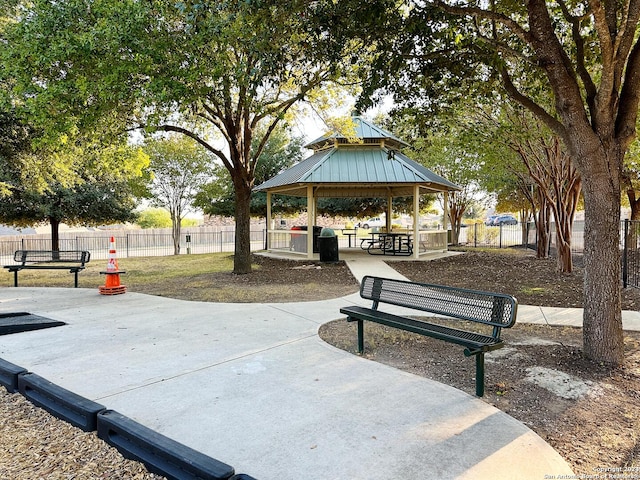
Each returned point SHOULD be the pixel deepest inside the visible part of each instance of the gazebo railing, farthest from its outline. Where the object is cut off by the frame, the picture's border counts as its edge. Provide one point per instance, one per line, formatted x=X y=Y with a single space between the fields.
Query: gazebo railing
x=290 y=241
x=295 y=241
x=431 y=240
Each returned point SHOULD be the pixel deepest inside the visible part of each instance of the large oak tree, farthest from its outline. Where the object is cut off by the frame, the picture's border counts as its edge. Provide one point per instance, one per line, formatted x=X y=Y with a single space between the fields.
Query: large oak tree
x=585 y=57
x=203 y=69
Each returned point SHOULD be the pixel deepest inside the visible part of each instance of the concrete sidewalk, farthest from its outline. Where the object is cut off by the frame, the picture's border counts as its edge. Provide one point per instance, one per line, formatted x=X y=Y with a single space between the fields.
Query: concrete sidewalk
x=254 y=386
x=361 y=265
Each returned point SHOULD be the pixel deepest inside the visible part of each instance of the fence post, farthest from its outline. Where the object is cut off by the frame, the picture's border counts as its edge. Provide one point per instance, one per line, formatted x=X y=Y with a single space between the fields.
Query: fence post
x=625 y=271
x=500 y=239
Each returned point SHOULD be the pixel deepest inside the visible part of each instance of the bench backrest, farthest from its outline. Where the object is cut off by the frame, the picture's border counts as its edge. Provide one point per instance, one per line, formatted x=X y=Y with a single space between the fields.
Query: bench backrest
x=46 y=256
x=496 y=309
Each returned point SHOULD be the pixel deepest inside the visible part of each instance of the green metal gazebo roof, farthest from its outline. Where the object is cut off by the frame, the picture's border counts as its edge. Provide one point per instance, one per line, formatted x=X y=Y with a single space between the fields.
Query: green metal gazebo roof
x=364 y=131
x=372 y=167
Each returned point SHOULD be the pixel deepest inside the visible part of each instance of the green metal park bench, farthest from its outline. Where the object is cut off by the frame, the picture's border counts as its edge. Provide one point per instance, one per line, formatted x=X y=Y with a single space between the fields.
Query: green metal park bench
x=493 y=310
x=72 y=260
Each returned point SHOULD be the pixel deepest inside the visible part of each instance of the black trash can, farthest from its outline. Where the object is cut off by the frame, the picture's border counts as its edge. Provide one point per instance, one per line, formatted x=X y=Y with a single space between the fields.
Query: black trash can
x=328 y=245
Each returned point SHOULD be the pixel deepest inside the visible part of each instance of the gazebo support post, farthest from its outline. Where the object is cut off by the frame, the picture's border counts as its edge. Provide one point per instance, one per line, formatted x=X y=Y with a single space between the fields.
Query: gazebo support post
x=445 y=218
x=389 y=212
x=416 y=222
x=311 y=215
x=268 y=225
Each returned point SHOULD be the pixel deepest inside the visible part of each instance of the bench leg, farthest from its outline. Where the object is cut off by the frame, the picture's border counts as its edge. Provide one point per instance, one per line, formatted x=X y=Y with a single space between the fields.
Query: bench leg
x=480 y=374
x=360 y=336
x=75 y=283
x=15 y=278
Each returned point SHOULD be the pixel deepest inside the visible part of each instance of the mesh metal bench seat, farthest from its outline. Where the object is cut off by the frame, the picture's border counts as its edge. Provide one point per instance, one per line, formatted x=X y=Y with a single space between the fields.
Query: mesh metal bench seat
x=494 y=310
x=72 y=260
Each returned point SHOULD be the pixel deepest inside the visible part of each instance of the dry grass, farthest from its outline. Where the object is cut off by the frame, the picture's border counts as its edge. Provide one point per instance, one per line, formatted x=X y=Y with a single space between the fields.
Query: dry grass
x=140 y=271
x=208 y=278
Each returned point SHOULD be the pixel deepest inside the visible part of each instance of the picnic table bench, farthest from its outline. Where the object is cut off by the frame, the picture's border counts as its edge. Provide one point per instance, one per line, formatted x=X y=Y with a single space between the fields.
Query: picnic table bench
x=374 y=241
x=72 y=260
x=494 y=310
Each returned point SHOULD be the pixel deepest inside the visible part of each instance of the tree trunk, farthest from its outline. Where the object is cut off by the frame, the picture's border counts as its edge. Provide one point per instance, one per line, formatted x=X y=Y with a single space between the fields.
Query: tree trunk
x=542 y=228
x=602 y=325
x=242 y=257
x=634 y=203
x=175 y=233
x=456 y=211
x=55 y=234
x=456 y=222
x=564 y=229
x=564 y=260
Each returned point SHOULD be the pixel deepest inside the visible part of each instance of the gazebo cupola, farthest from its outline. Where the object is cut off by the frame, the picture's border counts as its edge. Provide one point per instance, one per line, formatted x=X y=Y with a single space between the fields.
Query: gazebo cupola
x=366 y=135
x=370 y=165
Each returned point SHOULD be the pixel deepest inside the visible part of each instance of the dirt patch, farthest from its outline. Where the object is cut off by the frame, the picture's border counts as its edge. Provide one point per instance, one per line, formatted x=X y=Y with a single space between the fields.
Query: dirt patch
x=271 y=281
x=531 y=280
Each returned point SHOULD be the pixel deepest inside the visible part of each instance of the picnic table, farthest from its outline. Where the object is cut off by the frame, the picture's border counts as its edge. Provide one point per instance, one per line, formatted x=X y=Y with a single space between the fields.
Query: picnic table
x=349 y=233
x=392 y=243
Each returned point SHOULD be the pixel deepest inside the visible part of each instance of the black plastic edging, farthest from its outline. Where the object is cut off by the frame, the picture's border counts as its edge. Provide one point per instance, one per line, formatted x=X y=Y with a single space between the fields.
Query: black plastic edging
x=62 y=403
x=9 y=375
x=160 y=454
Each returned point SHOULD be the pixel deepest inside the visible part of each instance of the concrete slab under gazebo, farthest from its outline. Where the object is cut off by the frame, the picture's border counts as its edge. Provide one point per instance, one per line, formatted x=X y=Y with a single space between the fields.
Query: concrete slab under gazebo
x=371 y=165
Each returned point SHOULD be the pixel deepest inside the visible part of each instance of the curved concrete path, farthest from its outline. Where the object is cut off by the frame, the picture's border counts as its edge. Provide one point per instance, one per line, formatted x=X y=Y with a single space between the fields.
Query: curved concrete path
x=254 y=386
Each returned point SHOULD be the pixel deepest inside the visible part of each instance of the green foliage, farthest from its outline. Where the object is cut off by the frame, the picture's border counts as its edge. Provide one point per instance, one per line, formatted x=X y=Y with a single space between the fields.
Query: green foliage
x=179 y=168
x=280 y=152
x=14 y=141
x=104 y=188
x=189 y=222
x=202 y=69
x=154 y=218
x=187 y=66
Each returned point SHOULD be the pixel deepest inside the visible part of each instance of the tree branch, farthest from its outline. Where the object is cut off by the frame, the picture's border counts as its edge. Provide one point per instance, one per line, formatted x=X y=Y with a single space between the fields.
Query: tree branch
x=531 y=105
x=629 y=99
x=487 y=15
x=587 y=81
x=218 y=153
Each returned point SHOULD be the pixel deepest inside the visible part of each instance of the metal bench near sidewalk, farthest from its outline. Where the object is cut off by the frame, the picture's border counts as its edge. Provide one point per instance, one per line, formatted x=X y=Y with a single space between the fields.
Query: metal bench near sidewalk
x=494 y=310
x=72 y=260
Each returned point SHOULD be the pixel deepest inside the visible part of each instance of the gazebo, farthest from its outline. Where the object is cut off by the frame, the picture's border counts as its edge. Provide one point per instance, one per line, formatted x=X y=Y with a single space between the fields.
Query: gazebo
x=371 y=165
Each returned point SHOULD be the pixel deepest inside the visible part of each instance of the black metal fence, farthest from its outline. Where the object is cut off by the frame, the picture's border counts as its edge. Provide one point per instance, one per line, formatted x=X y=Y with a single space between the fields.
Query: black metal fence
x=522 y=235
x=480 y=235
x=143 y=244
x=631 y=254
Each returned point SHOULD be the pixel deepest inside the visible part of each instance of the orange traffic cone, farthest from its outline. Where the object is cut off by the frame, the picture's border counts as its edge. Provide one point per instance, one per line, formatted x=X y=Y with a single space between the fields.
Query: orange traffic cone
x=112 y=282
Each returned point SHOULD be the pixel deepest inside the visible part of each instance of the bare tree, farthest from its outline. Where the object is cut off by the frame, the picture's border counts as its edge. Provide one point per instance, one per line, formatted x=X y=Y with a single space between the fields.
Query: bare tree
x=179 y=168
